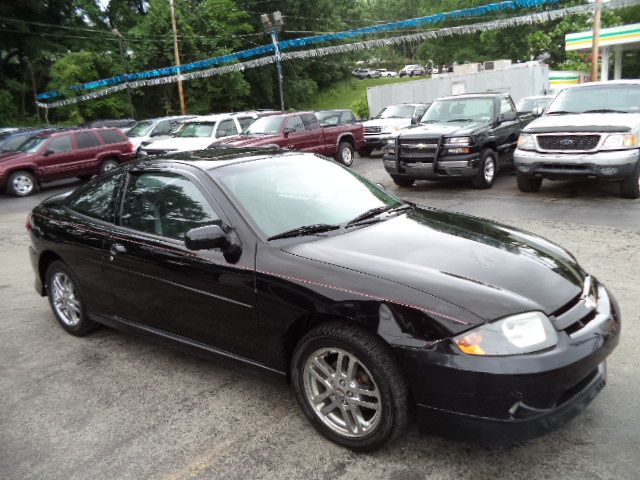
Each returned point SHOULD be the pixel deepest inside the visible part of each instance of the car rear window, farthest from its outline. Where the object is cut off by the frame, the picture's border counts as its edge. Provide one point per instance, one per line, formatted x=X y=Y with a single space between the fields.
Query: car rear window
x=112 y=136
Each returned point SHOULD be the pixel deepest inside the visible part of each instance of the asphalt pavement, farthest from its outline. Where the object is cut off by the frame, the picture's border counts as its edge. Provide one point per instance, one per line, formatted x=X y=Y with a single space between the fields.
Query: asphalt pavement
x=114 y=406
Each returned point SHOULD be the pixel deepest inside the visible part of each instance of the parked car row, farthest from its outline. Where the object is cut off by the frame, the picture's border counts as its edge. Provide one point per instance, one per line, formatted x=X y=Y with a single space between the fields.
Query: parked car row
x=589 y=131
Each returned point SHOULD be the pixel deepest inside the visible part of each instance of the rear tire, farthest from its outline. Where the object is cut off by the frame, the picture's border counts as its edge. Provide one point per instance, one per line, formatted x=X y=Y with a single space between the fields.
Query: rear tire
x=365 y=151
x=345 y=153
x=528 y=184
x=108 y=164
x=403 y=182
x=630 y=186
x=487 y=170
x=21 y=184
x=65 y=299
x=351 y=376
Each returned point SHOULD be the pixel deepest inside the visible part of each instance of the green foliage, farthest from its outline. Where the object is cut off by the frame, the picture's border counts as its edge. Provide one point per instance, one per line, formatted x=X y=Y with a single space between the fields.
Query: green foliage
x=361 y=107
x=8 y=110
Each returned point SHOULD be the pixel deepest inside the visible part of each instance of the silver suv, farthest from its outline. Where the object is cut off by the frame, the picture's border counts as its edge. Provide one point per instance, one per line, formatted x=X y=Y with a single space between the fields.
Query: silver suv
x=588 y=131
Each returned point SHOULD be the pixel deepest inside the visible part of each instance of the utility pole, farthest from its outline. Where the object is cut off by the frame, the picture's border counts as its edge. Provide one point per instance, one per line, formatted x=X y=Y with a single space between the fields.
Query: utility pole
x=183 y=106
x=125 y=65
x=273 y=29
x=596 y=40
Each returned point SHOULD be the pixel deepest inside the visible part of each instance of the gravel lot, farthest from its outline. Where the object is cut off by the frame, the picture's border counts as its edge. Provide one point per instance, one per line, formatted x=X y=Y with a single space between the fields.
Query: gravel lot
x=114 y=406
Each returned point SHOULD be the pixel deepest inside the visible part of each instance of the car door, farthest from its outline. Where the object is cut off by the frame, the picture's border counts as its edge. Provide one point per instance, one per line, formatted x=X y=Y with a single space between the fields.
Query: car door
x=86 y=158
x=316 y=141
x=506 y=131
x=159 y=283
x=56 y=157
x=296 y=133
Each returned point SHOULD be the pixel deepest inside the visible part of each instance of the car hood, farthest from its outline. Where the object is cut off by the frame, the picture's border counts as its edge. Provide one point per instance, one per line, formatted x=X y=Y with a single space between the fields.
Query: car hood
x=445 y=128
x=388 y=122
x=181 y=144
x=9 y=155
x=594 y=122
x=248 y=140
x=485 y=268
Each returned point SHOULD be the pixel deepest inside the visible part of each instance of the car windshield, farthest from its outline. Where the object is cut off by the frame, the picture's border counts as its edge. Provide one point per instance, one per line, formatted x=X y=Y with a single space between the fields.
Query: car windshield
x=140 y=130
x=459 y=109
x=598 y=98
x=397 y=111
x=32 y=145
x=197 y=129
x=13 y=144
x=265 y=126
x=285 y=193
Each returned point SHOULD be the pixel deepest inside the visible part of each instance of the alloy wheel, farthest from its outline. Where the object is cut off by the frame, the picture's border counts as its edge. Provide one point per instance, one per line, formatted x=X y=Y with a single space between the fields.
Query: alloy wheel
x=489 y=169
x=342 y=392
x=23 y=184
x=65 y=301
x=347 y=156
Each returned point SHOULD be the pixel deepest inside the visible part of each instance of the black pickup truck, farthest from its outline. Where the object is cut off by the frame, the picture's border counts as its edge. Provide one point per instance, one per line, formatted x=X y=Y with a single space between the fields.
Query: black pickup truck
x=469 y=136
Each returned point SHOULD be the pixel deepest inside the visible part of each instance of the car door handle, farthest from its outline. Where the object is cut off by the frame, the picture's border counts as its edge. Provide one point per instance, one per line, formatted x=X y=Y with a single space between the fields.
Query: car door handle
x=117 y=249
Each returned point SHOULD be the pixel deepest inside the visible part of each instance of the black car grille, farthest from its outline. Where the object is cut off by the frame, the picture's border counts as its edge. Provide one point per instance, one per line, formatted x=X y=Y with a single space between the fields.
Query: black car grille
x=568 y=142
x=423 y=150
x=372 y=129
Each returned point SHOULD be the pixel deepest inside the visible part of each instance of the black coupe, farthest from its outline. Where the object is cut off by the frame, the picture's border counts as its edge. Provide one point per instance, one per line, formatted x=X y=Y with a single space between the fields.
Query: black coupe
x=372 y=307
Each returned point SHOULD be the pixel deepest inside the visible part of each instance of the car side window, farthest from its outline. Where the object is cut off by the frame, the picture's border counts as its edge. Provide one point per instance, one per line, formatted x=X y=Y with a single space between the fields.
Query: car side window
x=97 y=200
x=506 y=105
x=347 y=117
x=113 y=136
x=296 y=124
x=310 y=122
x=87 y=140
x=60 y=144
x=245 y=122
x=163 y=128
x=420 y=111
x=226 y=128
x=165 y=204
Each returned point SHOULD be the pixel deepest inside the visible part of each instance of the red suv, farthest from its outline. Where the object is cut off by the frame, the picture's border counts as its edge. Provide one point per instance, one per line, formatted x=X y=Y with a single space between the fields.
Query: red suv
x=62 y=154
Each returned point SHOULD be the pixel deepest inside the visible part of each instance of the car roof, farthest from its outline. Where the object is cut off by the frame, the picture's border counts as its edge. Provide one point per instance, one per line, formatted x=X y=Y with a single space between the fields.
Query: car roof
x=606 y=82
x=213 y=158
x=474 y=95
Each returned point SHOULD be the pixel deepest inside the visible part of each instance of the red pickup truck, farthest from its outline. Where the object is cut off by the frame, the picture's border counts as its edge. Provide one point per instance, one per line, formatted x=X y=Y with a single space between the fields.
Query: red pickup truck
x=62 y=154
x=302 y=131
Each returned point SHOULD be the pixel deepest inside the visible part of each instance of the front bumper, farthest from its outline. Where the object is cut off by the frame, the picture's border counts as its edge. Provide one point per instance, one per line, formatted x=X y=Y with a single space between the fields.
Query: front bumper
x=376 y=140
x=505 y=399
x=612 y=165
x=458 y=166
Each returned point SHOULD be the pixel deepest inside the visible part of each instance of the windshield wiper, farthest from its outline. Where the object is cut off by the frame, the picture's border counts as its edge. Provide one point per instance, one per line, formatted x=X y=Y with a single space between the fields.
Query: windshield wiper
x=305 y=230
x=377 y=211
x=460 y=120
x=604 y=110
x=561 y=112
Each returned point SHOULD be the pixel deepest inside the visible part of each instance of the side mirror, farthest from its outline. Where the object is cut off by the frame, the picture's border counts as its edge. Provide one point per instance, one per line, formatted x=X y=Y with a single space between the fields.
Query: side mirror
x=415 y=120
x=289 y=130
x=48 y=152
x=206 y=238
x=507 y=117
x=537 y=111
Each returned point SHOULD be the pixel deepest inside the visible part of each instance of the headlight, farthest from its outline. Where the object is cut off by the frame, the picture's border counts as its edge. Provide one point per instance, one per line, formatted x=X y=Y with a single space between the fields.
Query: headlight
x=457 y=141
x=526 y=142
x=518 y=334
x=617 y=141
x=390 y=147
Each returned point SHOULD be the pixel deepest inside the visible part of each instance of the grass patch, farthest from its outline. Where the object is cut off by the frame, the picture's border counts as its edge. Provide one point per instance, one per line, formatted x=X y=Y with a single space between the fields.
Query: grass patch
x=343 y=94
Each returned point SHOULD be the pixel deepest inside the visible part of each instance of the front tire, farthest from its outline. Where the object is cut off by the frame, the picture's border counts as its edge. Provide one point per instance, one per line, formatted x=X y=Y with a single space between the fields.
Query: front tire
x=630 y=186
x=487 y=170
x=345 y=153
x=21 y=184
x=65 y=300
x=350 y=387
x=402 y=182
x=528 y=184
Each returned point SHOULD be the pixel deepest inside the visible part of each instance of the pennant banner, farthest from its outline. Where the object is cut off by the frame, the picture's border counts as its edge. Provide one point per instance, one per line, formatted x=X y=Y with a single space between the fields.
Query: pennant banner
x=529 y=19
x=305 y=41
